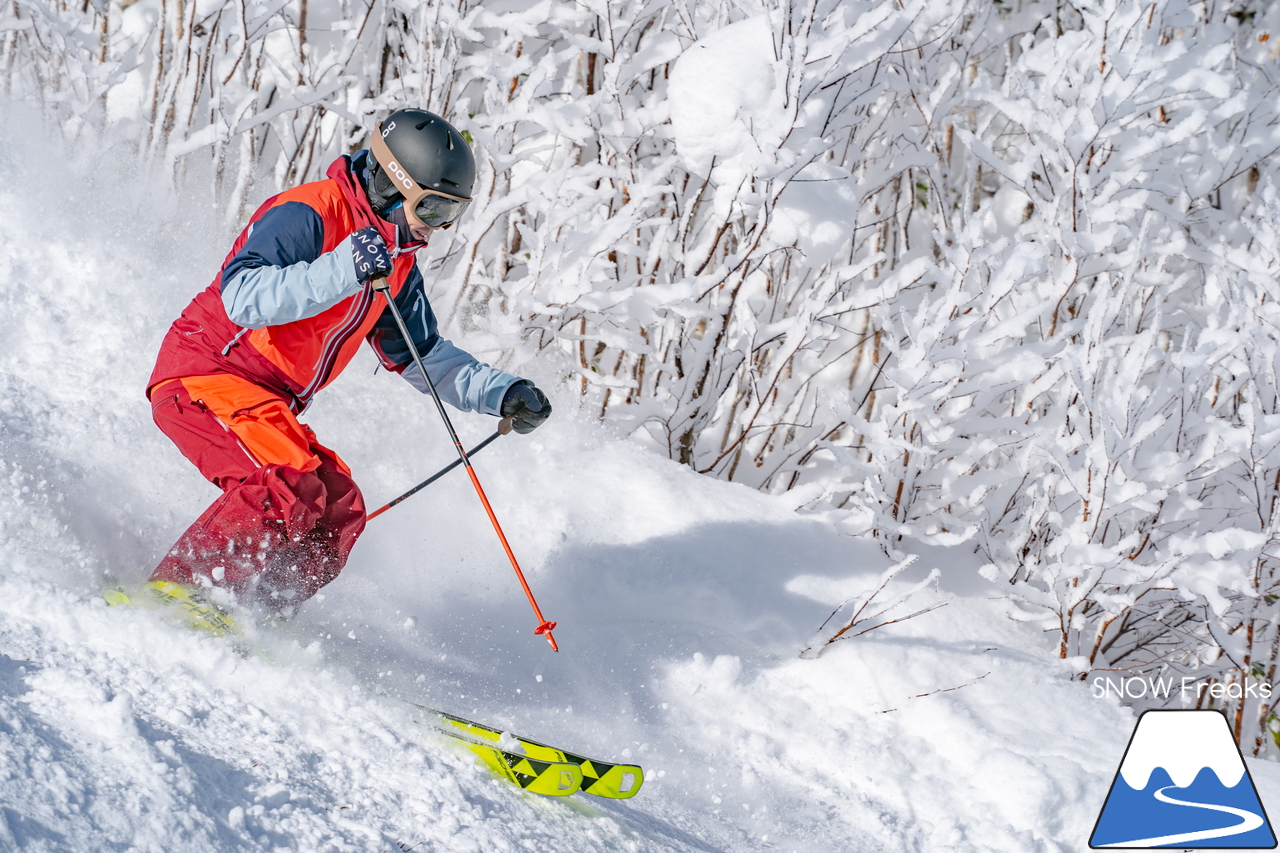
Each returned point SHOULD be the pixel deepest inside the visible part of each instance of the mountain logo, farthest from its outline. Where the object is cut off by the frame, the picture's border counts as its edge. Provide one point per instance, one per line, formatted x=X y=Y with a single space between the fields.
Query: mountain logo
x=1183 y=783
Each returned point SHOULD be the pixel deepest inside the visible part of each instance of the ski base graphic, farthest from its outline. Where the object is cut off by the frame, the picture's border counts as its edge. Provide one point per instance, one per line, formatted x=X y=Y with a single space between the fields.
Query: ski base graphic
x=601 y=778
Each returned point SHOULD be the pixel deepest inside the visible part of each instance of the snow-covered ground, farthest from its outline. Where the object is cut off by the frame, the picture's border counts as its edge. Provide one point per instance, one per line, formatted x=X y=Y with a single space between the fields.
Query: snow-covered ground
x=682 y=601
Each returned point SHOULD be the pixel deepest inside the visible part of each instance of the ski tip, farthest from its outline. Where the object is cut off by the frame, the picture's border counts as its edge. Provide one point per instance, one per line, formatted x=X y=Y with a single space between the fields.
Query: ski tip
x=618 y=782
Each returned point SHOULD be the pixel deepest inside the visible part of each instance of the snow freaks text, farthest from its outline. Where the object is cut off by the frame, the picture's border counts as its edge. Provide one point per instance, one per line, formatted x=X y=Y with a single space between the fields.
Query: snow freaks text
x=1146 y=687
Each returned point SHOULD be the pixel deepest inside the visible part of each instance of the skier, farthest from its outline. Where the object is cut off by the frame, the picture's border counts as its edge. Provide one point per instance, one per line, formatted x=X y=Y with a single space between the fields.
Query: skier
x=280 y=321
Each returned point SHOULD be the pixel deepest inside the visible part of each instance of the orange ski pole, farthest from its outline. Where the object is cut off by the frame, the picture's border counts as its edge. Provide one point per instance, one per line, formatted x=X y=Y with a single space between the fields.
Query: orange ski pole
x=382 y=285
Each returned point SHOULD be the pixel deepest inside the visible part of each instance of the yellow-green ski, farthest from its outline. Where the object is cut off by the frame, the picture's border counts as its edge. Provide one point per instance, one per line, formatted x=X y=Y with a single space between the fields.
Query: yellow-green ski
x=187 y=602
x=549 y=778
x=601 y=778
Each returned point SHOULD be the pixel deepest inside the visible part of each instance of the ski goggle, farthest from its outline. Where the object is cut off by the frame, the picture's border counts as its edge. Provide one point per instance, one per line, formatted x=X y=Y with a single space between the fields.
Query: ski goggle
x=439 y=210
x=422 y=207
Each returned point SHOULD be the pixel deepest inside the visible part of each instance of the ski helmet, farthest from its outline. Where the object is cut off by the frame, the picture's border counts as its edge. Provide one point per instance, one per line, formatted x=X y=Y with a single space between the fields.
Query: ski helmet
x=425 y=161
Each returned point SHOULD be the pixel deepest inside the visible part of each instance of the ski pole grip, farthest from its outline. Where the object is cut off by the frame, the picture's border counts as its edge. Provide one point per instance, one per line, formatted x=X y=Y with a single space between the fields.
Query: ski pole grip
x=506 y=425
x=381 y=284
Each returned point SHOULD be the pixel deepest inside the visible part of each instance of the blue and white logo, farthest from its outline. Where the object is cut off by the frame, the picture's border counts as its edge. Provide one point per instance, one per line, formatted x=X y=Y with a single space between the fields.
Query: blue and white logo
x=1183 y=783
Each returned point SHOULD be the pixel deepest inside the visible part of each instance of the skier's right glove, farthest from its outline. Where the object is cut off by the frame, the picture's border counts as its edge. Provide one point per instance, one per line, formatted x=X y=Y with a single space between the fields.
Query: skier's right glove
x=526 y=406
x=370 y=254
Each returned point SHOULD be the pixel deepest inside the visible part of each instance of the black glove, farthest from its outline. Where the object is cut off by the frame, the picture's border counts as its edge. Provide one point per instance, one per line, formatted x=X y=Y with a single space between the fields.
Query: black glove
x=370 y=254
x=526 y=406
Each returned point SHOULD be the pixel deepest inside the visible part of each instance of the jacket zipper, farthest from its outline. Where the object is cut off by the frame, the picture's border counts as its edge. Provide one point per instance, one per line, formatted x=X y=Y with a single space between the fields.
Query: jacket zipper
x=335 y=339
x=231 y=343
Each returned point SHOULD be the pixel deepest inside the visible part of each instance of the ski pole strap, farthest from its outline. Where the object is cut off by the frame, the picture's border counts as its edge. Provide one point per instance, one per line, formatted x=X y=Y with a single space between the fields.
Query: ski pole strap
x=504 y=428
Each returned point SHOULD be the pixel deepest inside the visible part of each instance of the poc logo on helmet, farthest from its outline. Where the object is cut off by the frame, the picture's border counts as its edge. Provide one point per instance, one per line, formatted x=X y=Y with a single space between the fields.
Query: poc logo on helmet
x=400 y=175
x=388 y=129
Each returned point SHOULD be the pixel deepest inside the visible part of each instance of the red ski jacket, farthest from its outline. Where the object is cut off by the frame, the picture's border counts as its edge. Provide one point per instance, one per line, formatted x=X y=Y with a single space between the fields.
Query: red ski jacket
x=297 y=358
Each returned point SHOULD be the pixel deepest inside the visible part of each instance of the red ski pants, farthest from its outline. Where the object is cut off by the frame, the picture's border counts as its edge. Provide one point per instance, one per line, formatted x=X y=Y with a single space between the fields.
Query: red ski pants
x=289 y=513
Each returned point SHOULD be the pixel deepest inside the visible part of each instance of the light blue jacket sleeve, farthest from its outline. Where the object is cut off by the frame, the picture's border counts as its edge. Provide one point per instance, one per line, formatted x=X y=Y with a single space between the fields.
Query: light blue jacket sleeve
x=461 y=380
x=258 y=296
